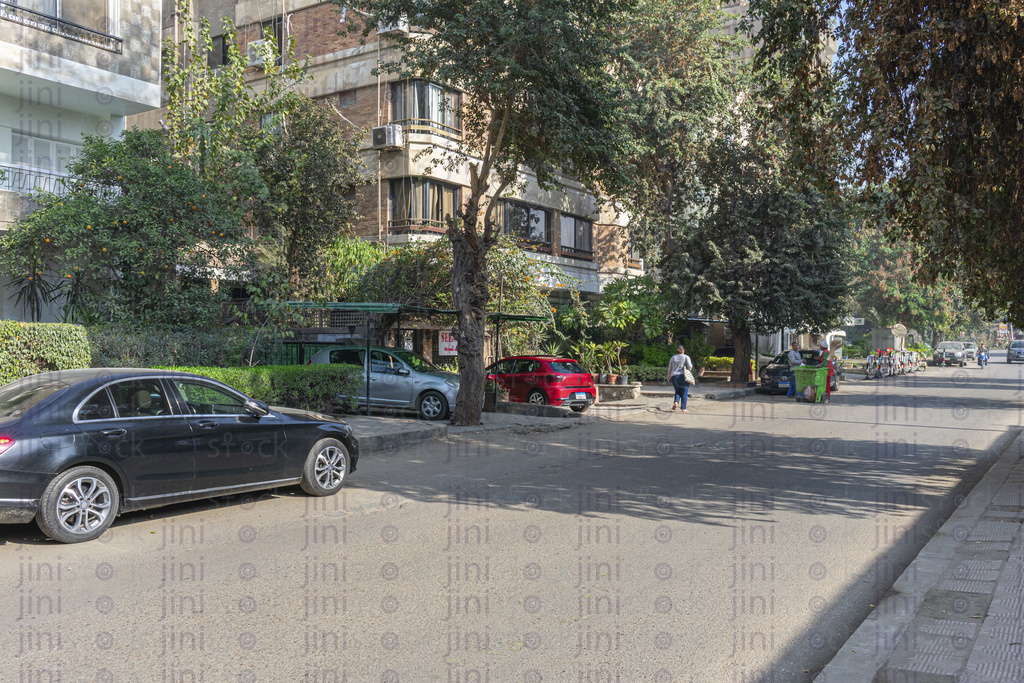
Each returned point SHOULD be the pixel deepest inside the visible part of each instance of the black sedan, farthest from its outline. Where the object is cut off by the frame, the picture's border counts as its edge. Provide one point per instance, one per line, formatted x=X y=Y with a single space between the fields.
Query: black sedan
x=79 y=447
x=776 y=376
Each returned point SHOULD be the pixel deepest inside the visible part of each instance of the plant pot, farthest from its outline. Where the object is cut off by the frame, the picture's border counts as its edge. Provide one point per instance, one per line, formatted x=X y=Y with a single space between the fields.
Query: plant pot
x=623 y=379
x=596 y=377
x=489 y=402
x=603 y=378
x=613 y=379
x=700 y=372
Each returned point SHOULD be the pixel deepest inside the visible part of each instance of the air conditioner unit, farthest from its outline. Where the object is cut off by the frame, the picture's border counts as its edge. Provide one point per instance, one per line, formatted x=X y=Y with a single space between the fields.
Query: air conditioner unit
x=257 y=51
x=388 y=137
x=402 y=26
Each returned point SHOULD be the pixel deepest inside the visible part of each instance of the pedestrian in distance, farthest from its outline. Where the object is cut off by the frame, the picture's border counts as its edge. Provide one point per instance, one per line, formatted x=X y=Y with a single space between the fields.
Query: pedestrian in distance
x=795 y=360
x=679 y=376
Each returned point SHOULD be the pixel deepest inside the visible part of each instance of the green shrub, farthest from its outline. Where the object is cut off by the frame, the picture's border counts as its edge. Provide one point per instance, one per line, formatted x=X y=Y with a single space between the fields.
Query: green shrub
x=718 y=363
x=307 y=387
x=656 y=355
x=118 y=346
x=30 y=348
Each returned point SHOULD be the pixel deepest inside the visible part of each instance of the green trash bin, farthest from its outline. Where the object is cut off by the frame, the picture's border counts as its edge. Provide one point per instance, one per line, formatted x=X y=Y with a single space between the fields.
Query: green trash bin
x=811 y=376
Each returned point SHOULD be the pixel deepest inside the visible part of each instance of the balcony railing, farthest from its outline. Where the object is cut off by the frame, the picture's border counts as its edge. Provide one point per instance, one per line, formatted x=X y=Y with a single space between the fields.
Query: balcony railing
x=24 y=180
x=635 y=263
x=428 y=126
x=539 y=247
x=416 y=226
x=579 y=254
x=59 y=27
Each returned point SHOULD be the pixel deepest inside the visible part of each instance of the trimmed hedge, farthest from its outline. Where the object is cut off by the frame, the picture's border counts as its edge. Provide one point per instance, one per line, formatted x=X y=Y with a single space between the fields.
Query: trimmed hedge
x=30 y=348
x=119 y=346
x=307 y=387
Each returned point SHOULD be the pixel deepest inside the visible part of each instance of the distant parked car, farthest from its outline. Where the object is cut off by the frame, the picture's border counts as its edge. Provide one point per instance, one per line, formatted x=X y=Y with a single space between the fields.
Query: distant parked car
x=545 y=380
x=79 y=447
x=776 y=376
x=971 y=350
x=1016 y=351
x=398 y=379
x=949 y=353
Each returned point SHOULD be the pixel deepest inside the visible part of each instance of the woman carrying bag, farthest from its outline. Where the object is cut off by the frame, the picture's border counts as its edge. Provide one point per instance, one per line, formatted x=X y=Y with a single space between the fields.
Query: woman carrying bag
x=680 y=376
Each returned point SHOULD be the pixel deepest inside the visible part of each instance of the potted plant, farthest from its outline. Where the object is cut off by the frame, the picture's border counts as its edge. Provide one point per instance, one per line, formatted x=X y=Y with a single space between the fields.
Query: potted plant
x=611 y=352
x=699 y=351
x=587 y=354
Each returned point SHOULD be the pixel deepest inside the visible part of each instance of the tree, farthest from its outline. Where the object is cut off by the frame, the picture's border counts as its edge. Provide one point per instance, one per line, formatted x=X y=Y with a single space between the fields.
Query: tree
x=764 y=248
x=133 y=239
x=932 y=99
x=345 y=263
x=308 y=166
x=888 y=290
x=681 y=72
x=538 y=94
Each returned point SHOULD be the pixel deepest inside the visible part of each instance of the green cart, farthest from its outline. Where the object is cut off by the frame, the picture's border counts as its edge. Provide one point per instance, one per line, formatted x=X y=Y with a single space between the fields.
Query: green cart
x=809 y=376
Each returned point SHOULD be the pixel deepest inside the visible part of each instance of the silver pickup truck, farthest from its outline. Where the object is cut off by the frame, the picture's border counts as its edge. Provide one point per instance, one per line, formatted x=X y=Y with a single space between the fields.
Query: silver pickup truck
x=949 y=353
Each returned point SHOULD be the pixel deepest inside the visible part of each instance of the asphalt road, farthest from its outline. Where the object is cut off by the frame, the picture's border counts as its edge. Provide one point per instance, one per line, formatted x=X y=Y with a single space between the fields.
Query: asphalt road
x=743 y=541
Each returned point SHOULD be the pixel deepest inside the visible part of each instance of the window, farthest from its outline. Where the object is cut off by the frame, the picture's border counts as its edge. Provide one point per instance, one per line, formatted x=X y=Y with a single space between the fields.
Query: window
x=529 y=225
x=275 y=28
x=94 y=15
x=18 y=397
x=139 y=398
x=206 y=399
x=577 y=236
x=422 y=204
x=524 y=366
x=348 y=357
x=39 y=153
x=346 y=99
x=384 y=363
x=218 y=54
x=97 y=407
x=425 y=105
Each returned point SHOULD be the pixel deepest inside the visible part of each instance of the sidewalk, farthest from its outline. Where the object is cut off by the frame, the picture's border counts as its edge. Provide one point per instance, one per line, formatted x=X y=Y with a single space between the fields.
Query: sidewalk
x=966 y=593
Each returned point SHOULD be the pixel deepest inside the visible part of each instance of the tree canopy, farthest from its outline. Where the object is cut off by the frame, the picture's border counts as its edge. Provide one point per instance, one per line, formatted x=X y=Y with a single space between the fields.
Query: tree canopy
x=931 y=97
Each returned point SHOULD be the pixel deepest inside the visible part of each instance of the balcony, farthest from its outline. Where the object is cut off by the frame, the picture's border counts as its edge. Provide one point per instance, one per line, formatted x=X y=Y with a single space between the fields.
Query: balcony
x=60 y=27
x=429 y=127
x=578 y=254
x=416 y=226
x=539 y=247
x=24 y=180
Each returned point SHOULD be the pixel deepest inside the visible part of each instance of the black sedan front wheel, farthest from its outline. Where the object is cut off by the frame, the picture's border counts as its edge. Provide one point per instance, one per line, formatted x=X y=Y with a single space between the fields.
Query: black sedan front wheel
x=326 y=468
x=78 y=505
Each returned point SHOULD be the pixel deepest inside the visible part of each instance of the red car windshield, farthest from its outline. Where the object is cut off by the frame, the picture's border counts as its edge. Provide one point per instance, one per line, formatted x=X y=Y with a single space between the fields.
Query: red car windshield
x=568 y=367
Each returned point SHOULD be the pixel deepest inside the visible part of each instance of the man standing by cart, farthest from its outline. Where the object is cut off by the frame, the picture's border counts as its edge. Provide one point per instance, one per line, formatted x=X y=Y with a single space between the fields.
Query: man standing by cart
x=795 y=360
x=826 y=360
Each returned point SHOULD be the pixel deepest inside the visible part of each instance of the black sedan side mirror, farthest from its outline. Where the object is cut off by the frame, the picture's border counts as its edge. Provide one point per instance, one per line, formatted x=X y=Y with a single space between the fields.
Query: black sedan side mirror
x=256 y=408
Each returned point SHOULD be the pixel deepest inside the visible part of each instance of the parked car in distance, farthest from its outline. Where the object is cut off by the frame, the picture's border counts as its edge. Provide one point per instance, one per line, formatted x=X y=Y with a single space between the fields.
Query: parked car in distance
x=1015 y=352
x=949 y=353
x=80 y=447
x=399 y=379
x=776 y=375
x=971 y=351
x=545 y=380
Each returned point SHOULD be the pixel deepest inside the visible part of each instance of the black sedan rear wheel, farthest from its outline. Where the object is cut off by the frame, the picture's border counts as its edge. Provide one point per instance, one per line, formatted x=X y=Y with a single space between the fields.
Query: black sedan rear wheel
x=326 y=468
x=78 y=505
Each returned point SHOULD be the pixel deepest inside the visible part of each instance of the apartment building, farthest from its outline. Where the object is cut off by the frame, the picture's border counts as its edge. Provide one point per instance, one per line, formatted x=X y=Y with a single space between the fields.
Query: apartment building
x=66 y=70
x=405 y=197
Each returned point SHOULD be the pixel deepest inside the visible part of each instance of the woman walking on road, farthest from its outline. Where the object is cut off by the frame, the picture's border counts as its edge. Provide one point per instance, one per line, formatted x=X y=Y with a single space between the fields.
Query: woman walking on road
x=678 y=368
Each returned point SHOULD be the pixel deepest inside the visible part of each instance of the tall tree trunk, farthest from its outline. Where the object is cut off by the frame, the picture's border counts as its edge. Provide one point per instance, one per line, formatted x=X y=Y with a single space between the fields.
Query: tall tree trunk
x=741 y=344
x=470 y=295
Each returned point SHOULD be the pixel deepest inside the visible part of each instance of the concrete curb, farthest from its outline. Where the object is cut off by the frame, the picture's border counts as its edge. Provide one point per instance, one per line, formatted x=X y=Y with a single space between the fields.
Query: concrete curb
x=853 y=664
x=533 y=410
x=388 y=443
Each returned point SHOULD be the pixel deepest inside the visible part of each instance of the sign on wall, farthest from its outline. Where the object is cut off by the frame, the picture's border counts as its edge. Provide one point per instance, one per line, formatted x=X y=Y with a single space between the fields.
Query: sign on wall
x=446 y=344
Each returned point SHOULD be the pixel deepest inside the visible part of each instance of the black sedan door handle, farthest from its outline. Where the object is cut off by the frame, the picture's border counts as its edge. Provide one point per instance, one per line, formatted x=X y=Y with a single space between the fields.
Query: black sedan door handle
x=114 y=432
x=207 y=424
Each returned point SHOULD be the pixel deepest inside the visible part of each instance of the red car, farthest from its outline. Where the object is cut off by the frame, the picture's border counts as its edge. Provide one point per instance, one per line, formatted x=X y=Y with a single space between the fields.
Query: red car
x=545 y=380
